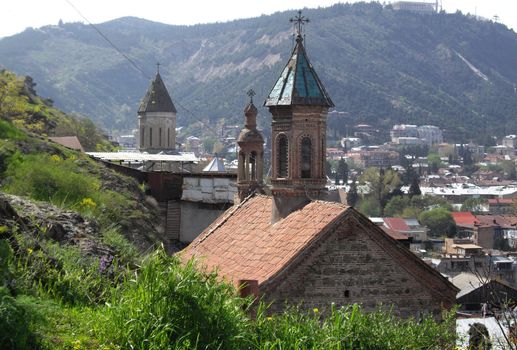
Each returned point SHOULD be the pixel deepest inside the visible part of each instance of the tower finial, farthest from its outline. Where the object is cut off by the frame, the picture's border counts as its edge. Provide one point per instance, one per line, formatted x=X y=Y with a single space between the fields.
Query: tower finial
x=251 y=93
x=299 y=21
x=158 y=67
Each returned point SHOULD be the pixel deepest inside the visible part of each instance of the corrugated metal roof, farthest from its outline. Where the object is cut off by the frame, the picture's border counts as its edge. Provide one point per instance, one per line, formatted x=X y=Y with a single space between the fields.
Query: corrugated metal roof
x=142 y=157
x=298 y=84
x=215 y=165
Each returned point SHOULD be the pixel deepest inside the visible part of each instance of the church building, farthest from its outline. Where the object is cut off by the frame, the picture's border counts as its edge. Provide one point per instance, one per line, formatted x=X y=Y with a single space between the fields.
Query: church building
x=157 y=119
x=294 y=247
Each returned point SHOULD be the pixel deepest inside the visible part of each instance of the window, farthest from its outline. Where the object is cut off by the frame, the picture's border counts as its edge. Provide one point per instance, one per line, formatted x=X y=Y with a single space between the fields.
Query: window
x=282 y=155
x=306 y=158
x=151 y=137
x=160 y=137
x=142 y=138
x=253 y=166
x=168 y=137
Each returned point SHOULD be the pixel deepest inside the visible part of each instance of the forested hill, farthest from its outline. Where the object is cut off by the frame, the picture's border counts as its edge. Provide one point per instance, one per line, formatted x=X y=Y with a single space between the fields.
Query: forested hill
x=379 y=65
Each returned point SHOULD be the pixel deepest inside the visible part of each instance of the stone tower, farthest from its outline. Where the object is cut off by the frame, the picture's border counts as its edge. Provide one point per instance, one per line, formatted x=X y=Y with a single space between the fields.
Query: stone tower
x=299 y=104
x=157 y=119
x=251 y=153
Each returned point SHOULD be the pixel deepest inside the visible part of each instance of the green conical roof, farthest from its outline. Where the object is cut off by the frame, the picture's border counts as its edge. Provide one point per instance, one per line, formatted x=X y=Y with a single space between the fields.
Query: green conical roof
x=157 y=98
x=298 y=84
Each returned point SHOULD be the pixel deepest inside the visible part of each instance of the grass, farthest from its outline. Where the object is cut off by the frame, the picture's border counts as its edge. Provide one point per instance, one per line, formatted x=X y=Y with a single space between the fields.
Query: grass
x=163 y=304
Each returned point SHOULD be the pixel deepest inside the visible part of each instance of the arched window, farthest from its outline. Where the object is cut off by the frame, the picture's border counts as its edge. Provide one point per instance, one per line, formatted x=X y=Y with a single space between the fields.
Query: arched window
x=151 y=137
x=168 y=137
x=282 y=155
x=306 y=158
x=142 y=138
x=253 y=165
x=160 y=137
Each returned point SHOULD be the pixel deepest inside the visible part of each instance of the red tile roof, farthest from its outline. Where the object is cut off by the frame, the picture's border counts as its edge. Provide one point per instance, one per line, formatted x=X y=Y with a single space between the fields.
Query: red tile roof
x=397 y=224
x=493 y=220
x=395 y=234
x=501 y=201
x=464 y=218
x=243 y=244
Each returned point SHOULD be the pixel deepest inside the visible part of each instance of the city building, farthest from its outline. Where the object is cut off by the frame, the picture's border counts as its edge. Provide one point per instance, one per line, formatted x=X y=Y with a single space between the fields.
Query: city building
x=430 y=134
x=415 y=6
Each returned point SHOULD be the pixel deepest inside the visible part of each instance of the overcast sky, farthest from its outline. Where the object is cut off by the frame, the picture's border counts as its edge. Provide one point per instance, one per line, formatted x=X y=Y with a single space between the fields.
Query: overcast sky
x=16 y=15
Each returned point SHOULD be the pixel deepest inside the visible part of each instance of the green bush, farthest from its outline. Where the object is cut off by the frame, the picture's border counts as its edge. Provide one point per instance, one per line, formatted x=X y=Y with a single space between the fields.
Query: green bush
x=169 y=306
x=15 y=332
x=351 y=328
x=63 y=273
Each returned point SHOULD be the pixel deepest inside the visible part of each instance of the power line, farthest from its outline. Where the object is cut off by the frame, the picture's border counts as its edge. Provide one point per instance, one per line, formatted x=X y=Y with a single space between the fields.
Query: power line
x=109 y=41
x=136 y=66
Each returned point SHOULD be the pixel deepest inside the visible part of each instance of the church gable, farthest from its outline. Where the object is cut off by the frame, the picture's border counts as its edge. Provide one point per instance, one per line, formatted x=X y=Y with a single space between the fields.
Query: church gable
x=347 y=266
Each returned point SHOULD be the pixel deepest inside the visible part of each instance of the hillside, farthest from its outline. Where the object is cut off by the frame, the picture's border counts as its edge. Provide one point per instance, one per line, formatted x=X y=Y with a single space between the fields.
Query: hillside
x=379 y=65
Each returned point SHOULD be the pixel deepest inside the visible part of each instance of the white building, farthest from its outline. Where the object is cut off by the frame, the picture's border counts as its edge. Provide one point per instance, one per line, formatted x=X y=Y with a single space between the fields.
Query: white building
x=430 y=134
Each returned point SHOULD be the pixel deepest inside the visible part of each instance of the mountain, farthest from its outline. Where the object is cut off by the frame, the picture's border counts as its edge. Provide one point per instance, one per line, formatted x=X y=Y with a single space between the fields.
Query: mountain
x=380 y=66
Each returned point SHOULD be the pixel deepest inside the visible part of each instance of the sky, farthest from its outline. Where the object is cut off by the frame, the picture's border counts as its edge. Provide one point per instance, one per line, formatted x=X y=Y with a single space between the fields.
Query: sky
x=16 y=15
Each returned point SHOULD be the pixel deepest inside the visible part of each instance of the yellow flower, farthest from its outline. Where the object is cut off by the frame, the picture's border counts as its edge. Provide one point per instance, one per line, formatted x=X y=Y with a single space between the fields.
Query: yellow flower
x=3 y=229
x=269 y=318
x=55 y=158
x=76 y=344
x=29 y=250
x=88 y=203
x=315 y=310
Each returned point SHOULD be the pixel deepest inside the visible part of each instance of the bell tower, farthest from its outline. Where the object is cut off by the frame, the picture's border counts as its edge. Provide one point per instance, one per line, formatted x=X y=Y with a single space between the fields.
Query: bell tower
x=299 y=105
x=157 y=119
x=251 y=153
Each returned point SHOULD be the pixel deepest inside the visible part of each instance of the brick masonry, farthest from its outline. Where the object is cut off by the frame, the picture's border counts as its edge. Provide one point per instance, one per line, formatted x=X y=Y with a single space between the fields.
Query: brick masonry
x=349 y=267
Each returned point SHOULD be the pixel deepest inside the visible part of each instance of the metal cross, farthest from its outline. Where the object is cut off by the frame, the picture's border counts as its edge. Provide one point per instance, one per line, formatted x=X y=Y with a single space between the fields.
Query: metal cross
x=251 y=93
x=299 y=21
x=158 y=67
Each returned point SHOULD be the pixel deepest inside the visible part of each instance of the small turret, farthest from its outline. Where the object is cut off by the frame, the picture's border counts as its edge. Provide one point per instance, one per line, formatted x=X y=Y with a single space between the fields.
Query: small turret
x=251 y=153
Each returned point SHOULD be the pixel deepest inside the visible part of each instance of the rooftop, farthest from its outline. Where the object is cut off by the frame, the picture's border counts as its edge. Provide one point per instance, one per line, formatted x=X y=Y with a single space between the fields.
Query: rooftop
x=298 y=84
x=157 y=98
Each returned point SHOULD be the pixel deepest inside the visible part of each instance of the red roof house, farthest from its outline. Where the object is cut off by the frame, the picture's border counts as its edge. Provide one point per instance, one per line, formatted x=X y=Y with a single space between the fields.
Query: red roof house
x=324 y=252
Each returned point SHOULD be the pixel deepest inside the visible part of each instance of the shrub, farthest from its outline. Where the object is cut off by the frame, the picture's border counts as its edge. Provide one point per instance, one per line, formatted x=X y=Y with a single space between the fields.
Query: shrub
x=168 y=306
x=351 y=328
x=61 y=272
x=14 y=324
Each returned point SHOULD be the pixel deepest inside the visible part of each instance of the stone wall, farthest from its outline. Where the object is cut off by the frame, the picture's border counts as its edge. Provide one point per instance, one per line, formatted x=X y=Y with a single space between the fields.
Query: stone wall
x=346 y=267
x=209 y=189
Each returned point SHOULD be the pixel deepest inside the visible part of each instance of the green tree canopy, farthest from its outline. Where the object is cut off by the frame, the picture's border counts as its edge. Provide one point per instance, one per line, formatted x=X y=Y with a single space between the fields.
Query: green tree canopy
x=439 y=221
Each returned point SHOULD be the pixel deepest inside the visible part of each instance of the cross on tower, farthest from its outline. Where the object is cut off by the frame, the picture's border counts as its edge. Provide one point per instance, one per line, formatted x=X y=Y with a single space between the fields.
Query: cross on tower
x=158 y=67
x=251 y=93
x=299 y=21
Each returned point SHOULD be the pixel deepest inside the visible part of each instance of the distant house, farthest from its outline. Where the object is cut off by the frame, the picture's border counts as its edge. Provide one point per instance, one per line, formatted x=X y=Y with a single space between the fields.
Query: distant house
x=502 y=206
x=477 y=289
x=71 y=142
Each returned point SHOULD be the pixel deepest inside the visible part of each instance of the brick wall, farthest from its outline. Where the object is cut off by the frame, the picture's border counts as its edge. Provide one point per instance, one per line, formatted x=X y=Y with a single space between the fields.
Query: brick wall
x=349 y=267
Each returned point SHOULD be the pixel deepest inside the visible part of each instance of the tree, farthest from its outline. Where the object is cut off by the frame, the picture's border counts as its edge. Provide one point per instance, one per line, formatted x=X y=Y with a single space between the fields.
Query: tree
x=414 y=188
x=381 y=184
x=439 y=221
x=342 y=172
x=352 y=196
x=434 y=162
x=474 y=205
